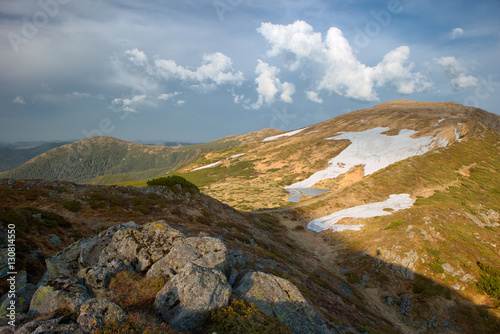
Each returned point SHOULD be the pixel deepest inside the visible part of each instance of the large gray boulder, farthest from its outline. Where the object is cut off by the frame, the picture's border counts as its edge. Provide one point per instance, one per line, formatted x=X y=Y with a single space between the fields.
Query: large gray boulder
x=206 y=252
x=98 y=312
x=61 y=293
x=194 y=291
x=144 y=246
x=22 y=301
x=60 y=325
x=280 y=298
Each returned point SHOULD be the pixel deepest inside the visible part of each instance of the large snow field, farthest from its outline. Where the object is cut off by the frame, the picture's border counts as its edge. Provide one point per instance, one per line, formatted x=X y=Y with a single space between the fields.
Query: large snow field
x=394 y=202
x=373 y=150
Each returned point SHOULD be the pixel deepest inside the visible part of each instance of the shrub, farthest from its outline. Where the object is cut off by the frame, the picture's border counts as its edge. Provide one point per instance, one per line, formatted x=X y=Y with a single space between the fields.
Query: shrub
x=136 y=325
x=436 y=267
x=72 y=206
x=242 y=317
x=299 y=228
x=172 y=180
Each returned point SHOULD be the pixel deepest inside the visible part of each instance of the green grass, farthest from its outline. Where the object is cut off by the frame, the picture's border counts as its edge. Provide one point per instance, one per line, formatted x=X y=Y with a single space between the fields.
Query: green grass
x=394 y=224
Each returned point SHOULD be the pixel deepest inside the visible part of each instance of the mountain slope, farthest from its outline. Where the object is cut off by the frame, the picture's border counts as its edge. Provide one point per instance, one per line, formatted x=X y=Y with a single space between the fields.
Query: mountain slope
x=449 y=233
x=98 y=159
x=12 y=157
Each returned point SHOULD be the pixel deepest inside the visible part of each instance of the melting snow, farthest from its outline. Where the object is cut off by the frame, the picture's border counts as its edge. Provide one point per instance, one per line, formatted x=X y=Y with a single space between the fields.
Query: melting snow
x=288 y=134
x=438 y=122
x=207 y=166
x=457 y=135
x=373 y=150
x=395 y=202
x=235 y=156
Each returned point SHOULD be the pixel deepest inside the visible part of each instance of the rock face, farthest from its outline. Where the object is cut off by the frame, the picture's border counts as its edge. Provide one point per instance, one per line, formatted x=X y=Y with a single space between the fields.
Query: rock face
x=280 y=298
x=198 y=270
x=60 y=293
x=195 y=290
x=97 y=312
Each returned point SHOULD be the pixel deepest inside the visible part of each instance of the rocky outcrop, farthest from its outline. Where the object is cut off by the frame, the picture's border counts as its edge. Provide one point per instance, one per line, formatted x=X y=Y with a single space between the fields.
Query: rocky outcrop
x=280 y=298
x=195 y=290
x=197 y=271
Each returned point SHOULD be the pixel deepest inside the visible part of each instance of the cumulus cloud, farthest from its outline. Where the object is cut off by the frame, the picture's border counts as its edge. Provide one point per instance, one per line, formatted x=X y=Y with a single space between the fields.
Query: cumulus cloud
x=180 y=102
x=456 y=32
x=457 y=72
x=168 y=96
x=343 y=73
x=19 y=100
x=313 y=96
x=269 y=85
x=129 y=104
x=216 y=68
x=137 y=57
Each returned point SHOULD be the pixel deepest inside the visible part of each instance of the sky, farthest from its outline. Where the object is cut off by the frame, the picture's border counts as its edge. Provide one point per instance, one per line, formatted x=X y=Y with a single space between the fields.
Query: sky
x=195 y=71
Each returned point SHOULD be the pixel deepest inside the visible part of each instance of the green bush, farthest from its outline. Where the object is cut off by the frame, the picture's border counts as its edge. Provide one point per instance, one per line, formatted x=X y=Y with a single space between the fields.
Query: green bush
x=72 y=206
x=299 y=228
x=242 y=317
x=172 y=180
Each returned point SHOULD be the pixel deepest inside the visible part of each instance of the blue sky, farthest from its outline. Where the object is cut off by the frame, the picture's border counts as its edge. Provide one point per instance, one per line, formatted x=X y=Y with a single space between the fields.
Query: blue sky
x=199 y=70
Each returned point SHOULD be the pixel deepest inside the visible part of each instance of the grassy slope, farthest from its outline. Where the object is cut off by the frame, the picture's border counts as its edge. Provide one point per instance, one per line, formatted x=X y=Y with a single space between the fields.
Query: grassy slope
x=12 y=157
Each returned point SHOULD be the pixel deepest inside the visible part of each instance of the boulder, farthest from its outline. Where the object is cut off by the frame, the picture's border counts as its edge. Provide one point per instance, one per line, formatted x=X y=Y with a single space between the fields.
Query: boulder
x=99 y=276
x=280 y=298
x=206 y=252
x=62 y=325
x=144 y=246
x=61 y=293
x=97 y=312
x=194 y=291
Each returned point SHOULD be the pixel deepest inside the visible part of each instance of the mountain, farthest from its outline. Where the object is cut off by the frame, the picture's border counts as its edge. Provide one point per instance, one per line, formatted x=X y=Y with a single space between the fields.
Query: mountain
x=390 y=196
x=99 y=159
x=12 y=156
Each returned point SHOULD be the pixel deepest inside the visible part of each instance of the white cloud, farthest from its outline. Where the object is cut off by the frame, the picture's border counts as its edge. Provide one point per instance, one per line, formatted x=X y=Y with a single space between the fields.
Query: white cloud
x=80 y=95
x=129 y=104
x=137 y=57
x=216 y=68
x=456 y=71
x=313 y=96
x=343 y=74
x=19 y=100
x=180 y=102
x=269 y=85
x=456 y=32
x=168 y=96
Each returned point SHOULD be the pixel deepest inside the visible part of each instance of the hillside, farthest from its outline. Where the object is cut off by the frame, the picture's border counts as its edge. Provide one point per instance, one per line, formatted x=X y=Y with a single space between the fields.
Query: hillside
x=99 y=159
x=12 y=157
x=444 y=156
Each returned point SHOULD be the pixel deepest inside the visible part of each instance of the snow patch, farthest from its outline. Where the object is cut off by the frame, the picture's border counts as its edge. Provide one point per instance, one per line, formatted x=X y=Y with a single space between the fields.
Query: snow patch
x=287 y=134
x=438 y=122
x=373 y=150
x=235 y=156
x=457 y=135
x=311 y=132
x=394 y=202
x=207 y=166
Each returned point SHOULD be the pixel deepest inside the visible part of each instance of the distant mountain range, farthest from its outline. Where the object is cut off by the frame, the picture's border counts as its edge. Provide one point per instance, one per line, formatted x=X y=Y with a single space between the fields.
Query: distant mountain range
x=12 y=156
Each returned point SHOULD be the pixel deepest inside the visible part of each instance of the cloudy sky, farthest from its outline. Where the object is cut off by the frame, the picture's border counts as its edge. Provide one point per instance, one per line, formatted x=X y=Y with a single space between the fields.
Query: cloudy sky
x=196 y=70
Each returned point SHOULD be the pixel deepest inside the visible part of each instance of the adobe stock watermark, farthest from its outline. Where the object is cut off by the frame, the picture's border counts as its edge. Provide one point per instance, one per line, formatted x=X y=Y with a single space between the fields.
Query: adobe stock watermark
x=223 y=6
x=31 y=26
x=483 y=91
x=281 y=118
x=11 y=263
x=372 y=29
